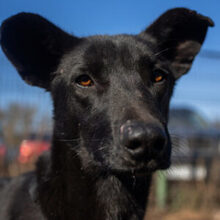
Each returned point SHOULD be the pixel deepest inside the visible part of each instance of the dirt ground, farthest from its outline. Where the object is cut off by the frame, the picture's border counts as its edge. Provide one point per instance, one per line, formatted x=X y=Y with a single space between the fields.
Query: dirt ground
x=184 y=215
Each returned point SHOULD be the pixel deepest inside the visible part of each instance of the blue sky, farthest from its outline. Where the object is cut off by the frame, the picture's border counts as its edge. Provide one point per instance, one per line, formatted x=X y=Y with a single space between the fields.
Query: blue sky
x=199 y=89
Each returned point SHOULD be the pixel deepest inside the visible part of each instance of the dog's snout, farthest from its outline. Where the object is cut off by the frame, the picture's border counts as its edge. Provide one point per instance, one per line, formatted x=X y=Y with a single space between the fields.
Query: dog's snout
x=140 y=138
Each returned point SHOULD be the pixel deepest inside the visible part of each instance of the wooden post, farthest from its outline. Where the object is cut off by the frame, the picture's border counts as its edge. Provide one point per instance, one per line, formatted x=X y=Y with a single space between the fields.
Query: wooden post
x=161 y=190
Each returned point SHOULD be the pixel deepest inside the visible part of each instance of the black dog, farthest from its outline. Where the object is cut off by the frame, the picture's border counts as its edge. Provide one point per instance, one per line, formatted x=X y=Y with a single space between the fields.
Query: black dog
x=111 y=99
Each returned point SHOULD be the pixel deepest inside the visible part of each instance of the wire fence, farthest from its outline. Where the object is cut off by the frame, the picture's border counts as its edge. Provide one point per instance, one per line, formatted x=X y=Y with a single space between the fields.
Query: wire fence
x=199 y=90
x=26 y=120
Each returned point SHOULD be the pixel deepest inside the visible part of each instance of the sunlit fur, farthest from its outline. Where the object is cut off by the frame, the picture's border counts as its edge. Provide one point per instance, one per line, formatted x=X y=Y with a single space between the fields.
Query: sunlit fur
x=91 y=171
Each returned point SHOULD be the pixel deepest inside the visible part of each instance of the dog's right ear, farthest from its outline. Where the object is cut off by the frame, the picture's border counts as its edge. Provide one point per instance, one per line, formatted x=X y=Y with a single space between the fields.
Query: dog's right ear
x=177 y=36
x=35 y=47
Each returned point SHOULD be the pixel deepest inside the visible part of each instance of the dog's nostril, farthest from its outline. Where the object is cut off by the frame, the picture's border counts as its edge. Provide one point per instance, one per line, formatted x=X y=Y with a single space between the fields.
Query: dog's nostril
x=134 y=144
x=140 y=137
x=132 y=135
x=159 y=143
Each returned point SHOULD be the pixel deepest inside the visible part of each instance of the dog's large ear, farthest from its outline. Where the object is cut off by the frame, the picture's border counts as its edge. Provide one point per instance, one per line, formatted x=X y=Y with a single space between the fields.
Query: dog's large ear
x=177 y=36
x=35 y=47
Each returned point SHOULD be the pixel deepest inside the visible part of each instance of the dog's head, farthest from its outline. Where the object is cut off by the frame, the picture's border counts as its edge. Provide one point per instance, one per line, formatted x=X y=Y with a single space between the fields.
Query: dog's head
x=111 y=93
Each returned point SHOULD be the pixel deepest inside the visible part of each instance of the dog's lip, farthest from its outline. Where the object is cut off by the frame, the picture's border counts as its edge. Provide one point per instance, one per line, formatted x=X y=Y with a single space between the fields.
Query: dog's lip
x=151 y=166
x=144 y=169
x=160 y=161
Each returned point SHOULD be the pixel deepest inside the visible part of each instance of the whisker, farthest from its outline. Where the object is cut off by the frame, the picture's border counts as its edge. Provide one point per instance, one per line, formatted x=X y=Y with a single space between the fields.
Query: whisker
x=160 y=52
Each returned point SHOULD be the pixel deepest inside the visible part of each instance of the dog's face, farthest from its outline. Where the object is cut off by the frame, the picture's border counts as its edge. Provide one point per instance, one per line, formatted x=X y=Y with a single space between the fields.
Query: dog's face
x=111 y=93
x=117 y=95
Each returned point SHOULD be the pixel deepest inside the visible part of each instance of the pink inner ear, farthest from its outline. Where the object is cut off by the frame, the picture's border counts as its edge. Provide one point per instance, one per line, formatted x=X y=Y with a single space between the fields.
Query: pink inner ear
x=184 y=56
x=188 y=49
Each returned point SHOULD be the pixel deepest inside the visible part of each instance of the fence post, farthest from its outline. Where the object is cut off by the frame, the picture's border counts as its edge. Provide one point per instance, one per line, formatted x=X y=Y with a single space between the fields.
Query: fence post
x=161 y=190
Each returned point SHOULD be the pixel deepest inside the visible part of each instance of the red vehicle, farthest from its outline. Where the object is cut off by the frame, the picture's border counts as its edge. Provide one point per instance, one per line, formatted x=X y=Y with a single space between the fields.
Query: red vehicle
x=31 y=149
x=2 y=150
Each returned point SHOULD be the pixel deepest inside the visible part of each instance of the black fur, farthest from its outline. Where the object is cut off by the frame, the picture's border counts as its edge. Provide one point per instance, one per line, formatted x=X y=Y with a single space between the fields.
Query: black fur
x=108 y=137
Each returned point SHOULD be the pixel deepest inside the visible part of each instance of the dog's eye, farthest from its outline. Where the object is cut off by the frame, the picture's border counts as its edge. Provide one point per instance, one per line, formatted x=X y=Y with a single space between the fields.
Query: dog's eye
x=84 y=80
x=159 y=75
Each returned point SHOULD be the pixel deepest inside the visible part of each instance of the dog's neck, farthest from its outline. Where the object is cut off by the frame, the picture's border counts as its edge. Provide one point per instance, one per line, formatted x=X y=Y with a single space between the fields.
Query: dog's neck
x=70 y=193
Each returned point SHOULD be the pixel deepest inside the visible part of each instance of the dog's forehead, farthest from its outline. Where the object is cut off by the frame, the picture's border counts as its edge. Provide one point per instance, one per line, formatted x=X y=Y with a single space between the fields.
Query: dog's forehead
x=116 y=48
x=110 y=52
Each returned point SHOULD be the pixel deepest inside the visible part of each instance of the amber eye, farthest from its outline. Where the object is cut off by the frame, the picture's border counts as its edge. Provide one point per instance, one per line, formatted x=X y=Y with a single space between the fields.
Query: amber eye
x=159 y=76
x=84 y=80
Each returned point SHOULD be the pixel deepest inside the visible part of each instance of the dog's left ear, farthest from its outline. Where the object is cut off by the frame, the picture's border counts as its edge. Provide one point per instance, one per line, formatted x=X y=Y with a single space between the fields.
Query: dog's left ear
x=35 y=47
x=177 y=36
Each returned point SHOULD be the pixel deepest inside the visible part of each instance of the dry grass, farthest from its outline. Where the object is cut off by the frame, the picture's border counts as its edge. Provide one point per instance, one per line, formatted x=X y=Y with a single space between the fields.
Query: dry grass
x=183 y=215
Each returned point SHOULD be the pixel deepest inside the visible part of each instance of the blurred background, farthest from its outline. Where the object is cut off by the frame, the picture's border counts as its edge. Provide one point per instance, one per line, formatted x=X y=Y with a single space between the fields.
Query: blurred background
x=190 y=188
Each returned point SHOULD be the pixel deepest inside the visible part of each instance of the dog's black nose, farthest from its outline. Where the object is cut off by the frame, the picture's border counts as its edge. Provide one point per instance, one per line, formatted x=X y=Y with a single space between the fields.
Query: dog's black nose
x=140 y=138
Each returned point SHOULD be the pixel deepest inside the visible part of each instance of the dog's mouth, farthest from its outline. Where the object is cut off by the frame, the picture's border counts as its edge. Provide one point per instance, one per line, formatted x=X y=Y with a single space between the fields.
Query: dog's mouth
x=114 y=158
x=142 y=168
x=151 y=166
